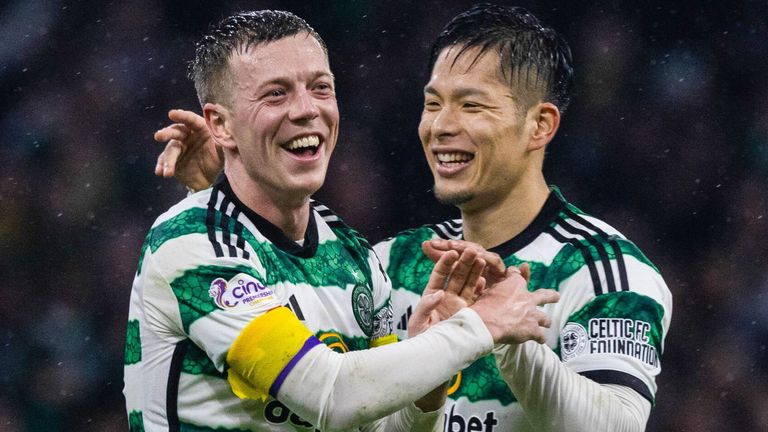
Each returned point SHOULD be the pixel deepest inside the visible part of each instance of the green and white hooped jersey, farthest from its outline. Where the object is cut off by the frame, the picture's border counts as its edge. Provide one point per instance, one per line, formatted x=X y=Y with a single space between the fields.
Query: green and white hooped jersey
x=210 y=265
x=609 y=325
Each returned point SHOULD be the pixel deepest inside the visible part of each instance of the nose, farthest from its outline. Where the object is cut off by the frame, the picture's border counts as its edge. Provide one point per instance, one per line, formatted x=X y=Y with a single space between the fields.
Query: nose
x=445 y=123
x=303 y=107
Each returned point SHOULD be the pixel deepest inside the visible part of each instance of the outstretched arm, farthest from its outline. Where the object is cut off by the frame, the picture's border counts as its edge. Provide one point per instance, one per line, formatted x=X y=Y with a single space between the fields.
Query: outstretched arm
x=337 y=391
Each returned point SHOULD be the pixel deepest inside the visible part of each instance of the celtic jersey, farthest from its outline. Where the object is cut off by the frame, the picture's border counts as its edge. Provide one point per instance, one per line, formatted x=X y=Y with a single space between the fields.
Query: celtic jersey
x=208 y=267
x=609 y=325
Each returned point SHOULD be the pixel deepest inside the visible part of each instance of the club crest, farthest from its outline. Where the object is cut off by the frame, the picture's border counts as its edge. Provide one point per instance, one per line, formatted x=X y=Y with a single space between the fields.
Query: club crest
x=362 y=307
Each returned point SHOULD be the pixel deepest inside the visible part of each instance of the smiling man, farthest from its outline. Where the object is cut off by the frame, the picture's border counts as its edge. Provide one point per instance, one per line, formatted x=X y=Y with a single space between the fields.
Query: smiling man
x=499 y=83
x=253 y=307
x=498 y=86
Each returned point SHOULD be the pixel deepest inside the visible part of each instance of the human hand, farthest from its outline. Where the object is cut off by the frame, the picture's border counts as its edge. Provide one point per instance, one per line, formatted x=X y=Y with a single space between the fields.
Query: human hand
x=190 y=154
x=495 y=270
x=510 y=311
x=454 y=283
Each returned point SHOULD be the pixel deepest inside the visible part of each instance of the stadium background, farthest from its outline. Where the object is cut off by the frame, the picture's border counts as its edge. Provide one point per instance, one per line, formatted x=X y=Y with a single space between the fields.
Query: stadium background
x=666 y=138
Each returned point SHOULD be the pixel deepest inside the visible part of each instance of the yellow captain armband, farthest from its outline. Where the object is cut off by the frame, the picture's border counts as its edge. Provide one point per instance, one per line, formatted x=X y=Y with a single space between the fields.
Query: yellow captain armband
x=384 y=340
x=265 y=352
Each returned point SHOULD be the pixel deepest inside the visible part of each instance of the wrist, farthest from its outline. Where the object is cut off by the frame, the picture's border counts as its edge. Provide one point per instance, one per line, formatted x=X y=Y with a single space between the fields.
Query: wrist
x=489 y=323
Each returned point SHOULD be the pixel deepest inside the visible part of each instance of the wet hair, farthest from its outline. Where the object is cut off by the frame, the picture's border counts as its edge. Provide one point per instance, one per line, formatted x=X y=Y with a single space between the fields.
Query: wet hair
x=536 y=57
x=235 y=34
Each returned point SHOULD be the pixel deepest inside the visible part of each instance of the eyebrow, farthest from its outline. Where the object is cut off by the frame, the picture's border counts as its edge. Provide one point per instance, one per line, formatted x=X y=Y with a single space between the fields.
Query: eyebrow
x=458 y=93
x=313 y=76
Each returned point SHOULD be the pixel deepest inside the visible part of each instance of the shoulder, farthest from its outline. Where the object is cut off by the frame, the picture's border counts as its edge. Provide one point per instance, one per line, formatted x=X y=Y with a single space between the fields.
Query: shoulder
x=595 y=259
x=336 y=225
x=449 y=229
x=183 y=242
x=182 y=221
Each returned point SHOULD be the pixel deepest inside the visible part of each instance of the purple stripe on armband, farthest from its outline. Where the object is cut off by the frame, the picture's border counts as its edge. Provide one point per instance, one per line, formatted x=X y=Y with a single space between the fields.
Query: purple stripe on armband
x=308 y=345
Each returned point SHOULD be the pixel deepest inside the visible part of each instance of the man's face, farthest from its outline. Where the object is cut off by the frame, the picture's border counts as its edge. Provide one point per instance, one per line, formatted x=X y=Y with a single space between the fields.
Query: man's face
x=284 y=117
x=472 y=130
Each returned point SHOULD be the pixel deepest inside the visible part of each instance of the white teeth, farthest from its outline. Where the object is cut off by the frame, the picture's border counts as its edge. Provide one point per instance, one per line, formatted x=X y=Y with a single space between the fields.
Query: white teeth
x=454 y=157
x=308 y=141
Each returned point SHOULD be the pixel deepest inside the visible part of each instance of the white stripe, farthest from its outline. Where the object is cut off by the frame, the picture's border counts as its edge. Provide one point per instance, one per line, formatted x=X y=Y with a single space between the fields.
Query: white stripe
x=448 y=231
x=327 y=214
x=543 y=249
x=599 y=263
x=574 y=223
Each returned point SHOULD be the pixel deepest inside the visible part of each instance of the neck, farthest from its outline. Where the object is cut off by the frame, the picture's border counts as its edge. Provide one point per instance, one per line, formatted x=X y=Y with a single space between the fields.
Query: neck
x=492 y=225
x=290 y=214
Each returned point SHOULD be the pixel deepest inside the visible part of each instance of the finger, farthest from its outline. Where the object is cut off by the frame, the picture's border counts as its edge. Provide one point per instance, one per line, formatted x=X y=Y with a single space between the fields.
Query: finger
x=494 y=264
x=543 y=319
x=422 y=316
x=461 y=270
x=429 y=302
x=439 y=244
x=492 y=259
x=545 y=296
x=441 y=272
x=539 y=337
x=176 y=131
x=167 y=160
x=470 y=287
x=191 y=119
x=511 y=271
x=431 y=251
x=525 y=271
x=480 y=288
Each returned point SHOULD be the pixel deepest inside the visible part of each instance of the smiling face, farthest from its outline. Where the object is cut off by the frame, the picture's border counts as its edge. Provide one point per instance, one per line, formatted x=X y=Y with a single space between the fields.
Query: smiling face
x=282 y=119
x=473 y=129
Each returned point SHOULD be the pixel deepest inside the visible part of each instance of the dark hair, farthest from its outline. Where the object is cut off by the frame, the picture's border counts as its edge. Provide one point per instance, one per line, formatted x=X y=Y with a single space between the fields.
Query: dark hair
x=538 y=55
x=236 y=34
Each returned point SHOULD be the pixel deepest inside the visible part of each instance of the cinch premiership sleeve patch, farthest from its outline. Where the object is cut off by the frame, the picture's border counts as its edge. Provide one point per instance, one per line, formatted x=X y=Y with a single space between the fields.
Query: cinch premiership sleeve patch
x=265 y=352
x=242 y=292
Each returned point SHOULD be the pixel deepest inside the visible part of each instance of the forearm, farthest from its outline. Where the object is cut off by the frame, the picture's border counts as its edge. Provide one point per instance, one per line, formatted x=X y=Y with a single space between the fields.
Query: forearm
x=555 y=398
x=275 y=354
x=361 y=386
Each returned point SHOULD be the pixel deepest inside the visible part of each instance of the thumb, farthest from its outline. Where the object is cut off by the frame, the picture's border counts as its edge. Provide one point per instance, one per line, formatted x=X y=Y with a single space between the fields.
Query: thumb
x=431 y=252
x=429 y=302
x=420 y=320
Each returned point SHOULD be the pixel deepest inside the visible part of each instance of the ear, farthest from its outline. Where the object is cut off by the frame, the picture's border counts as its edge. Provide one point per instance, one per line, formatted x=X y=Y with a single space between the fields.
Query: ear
x=217 y=120
x=546 y=119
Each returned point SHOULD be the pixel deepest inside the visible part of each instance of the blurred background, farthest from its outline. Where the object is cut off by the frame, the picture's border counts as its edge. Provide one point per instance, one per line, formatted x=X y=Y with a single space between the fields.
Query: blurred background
x=666 y=139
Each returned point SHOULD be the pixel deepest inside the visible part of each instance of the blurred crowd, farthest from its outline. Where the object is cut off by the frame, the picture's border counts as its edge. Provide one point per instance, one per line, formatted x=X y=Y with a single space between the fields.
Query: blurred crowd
x=666 y=139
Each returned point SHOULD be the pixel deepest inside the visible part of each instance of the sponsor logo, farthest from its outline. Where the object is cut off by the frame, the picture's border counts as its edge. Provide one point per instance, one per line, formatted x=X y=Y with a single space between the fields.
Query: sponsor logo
x=457 y=423
x=277 y=413
x=609 y=336
x=242 y=292
x=362 y=307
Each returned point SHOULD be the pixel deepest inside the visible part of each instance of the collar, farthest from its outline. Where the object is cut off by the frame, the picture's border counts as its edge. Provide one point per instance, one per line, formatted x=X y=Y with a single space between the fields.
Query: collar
x=554 y=204
x=268 y=229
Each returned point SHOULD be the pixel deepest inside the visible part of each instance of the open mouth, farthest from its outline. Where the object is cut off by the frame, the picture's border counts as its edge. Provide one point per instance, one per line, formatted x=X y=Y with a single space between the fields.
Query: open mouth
x=453 y=159
x=304 y=146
